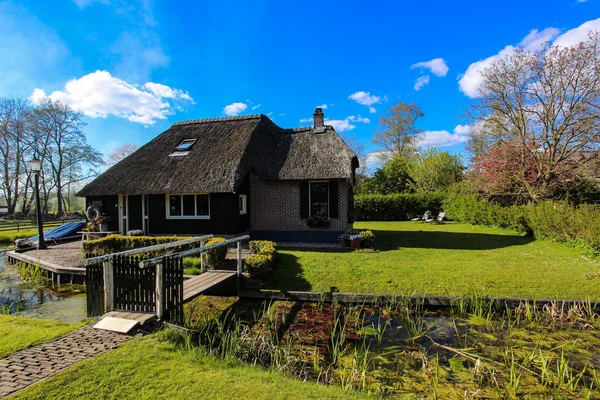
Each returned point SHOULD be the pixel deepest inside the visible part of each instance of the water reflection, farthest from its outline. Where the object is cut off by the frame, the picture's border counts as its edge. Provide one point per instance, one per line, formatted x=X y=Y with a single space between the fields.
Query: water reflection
x=60 y=303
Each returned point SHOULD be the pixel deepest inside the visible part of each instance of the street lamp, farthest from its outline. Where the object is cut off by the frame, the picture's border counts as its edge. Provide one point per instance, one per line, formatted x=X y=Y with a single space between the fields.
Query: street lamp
x=36 y=166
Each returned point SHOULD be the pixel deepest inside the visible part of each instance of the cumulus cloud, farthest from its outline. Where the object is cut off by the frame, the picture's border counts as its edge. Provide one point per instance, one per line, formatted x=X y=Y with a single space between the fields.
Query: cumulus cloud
x=234 y=109
x=341 y=125
x=366 y=99
x=99 y=94
x=437 y=66
x=359 y=119
x=443 y=138
x=470 y=82
x=323 y=106
x=421 y=81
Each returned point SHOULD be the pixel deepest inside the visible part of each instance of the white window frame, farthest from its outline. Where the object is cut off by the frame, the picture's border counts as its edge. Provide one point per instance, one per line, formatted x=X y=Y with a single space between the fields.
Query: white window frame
x=195 y=216
x=244 y=203
x=310 y=200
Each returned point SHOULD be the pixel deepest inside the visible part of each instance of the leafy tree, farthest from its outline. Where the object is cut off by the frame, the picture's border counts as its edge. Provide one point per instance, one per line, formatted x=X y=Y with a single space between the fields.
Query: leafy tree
x=399 y=134
x=392 y=177
x=547 y=103
x=434 y=170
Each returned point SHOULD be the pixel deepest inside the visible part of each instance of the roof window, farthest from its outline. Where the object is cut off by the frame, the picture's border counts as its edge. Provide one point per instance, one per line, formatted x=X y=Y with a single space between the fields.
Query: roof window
x=185 y=145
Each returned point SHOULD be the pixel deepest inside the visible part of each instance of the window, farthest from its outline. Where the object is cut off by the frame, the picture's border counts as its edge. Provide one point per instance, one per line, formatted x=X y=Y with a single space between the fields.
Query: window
x=185 y=145
x=183 y=148
x=319 y=199
x=188 y=206
x=243 y=204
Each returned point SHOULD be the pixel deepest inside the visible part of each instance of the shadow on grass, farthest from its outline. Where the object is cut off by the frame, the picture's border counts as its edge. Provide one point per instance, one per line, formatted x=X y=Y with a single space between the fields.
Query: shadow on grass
x=394 y=240
x=287 y=274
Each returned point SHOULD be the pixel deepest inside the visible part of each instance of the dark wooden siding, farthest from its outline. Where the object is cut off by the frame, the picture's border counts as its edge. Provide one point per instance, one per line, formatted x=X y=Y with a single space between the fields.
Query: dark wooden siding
x=224 y=217
x=110 y=207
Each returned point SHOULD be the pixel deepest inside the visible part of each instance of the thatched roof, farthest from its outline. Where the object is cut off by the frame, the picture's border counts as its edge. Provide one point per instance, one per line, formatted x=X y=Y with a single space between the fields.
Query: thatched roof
x=225 y=151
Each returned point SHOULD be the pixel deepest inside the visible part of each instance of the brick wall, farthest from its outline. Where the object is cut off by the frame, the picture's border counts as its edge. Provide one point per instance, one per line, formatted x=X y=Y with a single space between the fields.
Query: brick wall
x=275 y=206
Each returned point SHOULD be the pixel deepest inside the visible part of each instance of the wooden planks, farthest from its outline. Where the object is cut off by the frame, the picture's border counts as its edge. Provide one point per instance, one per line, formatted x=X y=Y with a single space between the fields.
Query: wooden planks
x=141 y=317
x=14 y=257
x=197 y=285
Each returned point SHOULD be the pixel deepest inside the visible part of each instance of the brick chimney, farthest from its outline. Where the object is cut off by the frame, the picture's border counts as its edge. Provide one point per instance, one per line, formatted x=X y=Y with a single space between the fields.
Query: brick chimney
x=319 y=118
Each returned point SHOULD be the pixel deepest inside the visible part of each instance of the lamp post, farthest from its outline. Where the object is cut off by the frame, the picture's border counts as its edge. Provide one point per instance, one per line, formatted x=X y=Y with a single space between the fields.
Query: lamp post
x=36 y=167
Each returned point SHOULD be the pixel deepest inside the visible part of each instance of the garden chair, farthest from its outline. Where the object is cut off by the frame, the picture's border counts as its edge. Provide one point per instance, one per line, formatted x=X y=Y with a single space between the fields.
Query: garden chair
x=424 y=217
x=438 y=220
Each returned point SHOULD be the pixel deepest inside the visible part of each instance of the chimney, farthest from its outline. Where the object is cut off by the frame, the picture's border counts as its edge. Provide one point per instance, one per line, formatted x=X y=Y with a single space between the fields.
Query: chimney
x=319 y=118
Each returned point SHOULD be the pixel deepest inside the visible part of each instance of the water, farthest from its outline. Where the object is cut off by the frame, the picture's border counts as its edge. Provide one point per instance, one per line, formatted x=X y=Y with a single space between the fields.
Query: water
x=66 y=303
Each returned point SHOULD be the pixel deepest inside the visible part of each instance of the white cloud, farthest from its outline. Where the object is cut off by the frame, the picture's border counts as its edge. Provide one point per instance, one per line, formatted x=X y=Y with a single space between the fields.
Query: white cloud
x=306 y=120
x=340 y=125
x=445 y=138
x=366 y=99
x=323 y=106
x=99 y=94
x=234 y=109
x=470 y=82
x=359 y=119
x=84 y=3
x=256 y=106
x=376 y=158
x=437 y=66
x=421 y=81
x=577 y=35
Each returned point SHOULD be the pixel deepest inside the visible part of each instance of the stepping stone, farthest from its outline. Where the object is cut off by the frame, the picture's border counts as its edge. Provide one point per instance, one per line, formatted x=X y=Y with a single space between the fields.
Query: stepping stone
x=119 y=325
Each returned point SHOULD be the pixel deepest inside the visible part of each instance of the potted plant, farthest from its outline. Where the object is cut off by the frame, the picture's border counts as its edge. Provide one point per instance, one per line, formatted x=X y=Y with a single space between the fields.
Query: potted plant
x=355 y=241
x=368 y=238
x=344 y=240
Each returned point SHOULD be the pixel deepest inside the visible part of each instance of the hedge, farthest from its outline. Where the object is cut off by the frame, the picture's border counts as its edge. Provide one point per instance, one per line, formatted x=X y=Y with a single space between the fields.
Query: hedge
x=262 y=260
x=117 y=243
x=215 y=257
x=396 y=207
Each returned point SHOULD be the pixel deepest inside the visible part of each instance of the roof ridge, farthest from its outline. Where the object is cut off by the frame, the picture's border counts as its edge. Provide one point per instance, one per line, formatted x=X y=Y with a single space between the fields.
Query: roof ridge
x=221 y=119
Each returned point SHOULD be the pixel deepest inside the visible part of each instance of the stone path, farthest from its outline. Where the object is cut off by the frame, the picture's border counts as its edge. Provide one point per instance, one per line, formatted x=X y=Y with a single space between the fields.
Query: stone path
x=26 y=367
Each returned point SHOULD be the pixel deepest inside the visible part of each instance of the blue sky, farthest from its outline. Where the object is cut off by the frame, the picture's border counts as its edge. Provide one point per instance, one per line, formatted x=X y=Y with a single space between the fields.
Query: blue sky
x=136 y=67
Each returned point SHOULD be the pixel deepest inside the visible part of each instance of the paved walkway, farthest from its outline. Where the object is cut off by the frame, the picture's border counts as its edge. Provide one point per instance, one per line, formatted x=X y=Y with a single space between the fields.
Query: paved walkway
x=26 y=367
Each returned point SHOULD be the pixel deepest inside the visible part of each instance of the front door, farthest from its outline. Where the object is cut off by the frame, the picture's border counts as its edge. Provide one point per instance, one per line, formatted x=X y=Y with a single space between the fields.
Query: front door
x=135 y=213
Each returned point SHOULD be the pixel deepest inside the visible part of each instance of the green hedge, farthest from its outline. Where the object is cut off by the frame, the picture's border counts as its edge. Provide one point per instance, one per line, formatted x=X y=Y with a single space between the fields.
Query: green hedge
x=396 y=207
x=116 y=243
x=215 y=257
x=262 y=260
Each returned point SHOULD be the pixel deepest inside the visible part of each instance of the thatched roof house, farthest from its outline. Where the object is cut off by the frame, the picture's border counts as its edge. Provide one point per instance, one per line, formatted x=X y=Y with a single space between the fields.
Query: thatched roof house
x=230 y=175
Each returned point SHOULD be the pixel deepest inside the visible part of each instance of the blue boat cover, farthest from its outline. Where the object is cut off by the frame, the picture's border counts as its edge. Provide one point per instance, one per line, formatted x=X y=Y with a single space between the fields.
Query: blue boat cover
x=60 y=232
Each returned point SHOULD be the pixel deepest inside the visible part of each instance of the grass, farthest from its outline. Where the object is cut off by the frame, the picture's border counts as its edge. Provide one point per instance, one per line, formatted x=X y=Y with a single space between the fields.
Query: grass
x=9 y=237
x=18 y=333
x=147 y=368
x=441 y=260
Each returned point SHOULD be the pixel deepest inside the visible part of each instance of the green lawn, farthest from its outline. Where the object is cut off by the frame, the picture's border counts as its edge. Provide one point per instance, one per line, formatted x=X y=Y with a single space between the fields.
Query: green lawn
x=148 y=369
x=18 y=333
x=443 y=259
x=9 y=237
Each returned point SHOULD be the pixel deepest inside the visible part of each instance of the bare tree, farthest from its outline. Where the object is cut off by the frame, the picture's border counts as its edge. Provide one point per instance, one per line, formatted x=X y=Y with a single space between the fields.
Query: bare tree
x=546 y=101
x=67 y=154
x=120 y=153
x=15 y=115
x=399 y=135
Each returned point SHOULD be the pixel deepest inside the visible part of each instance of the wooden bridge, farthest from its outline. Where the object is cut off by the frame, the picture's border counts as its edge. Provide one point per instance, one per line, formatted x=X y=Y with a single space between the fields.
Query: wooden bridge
x=125 y=286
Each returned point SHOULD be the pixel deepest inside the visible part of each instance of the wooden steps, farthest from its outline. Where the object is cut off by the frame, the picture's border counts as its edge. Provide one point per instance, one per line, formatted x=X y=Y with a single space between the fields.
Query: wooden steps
x=198 y=284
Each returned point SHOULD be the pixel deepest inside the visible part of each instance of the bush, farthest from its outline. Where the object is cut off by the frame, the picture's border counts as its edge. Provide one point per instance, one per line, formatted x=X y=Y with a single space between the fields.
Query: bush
x=257 y=245
x=262 y=260
x=192 y=266
x=215 y=257
x=117 y=243
x=396 y=207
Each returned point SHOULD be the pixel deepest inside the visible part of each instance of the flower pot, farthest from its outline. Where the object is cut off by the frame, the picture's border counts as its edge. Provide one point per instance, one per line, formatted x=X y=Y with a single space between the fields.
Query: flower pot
x=355 y=244
x=344 y=243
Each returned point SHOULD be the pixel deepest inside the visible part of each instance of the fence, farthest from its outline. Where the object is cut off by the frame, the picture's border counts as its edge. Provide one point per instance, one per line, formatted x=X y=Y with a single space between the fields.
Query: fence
x=24 y=225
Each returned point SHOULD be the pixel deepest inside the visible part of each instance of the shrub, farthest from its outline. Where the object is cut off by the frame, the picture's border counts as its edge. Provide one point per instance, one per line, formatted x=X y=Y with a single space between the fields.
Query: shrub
x=215 y=257
x=257 y=245
x=396 y=207
x=192 y=266
x=116 y=243
x=263 y=258
x=258 y=265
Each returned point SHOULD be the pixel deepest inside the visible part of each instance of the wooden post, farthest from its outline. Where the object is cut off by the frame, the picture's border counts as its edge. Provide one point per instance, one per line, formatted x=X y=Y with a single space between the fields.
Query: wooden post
x=160 y=283
x=240 y=264
x=109 y=286
x=202 y=262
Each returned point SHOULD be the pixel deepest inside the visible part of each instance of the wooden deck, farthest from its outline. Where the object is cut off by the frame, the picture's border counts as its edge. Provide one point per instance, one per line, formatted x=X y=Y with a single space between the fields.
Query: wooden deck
x=141 y=317
x=64 y=258
x=197 y=285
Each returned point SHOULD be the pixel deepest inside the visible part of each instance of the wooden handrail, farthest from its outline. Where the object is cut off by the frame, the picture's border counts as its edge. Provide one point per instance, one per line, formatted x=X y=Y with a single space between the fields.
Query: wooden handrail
x=157 y=260
x=156 y=247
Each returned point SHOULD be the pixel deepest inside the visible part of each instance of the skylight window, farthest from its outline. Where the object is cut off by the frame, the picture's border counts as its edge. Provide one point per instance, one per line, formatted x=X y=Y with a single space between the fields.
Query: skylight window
x=185 y=145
